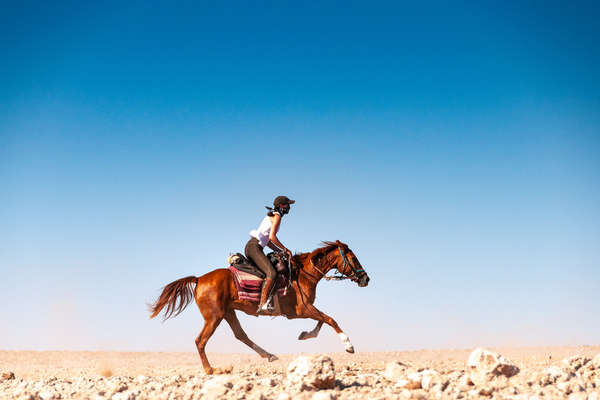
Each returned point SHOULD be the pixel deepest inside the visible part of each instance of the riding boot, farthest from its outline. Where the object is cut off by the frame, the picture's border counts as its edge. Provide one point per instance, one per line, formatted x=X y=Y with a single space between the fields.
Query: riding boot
x=266 y=290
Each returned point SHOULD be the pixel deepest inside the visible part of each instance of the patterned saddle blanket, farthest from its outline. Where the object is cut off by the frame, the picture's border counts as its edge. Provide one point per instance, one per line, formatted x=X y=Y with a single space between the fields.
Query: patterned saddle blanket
x=249 y=286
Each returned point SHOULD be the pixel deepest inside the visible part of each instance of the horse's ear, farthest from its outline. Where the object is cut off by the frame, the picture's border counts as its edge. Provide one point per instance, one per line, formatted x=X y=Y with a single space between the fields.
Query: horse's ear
x=338 y=242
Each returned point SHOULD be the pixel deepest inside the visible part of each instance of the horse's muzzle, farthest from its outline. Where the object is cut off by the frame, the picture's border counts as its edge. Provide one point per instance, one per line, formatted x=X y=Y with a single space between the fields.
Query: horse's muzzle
x=363 y=280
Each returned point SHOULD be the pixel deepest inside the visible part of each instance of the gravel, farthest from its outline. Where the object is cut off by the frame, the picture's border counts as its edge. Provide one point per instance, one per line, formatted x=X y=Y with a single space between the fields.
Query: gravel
x=544 y=373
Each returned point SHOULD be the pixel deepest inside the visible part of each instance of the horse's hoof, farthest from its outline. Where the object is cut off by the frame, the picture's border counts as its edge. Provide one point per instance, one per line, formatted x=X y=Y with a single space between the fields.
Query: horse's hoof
x=303 y=336
x=273 y=357
x=350 y=349
x=209 y=371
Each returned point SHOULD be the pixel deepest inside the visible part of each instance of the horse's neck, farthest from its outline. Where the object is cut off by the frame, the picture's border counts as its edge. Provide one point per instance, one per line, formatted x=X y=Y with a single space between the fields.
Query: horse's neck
x=312 y=273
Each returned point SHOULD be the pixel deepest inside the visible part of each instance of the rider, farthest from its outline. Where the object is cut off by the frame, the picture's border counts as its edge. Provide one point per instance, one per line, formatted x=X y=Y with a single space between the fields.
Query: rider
x=266 y=235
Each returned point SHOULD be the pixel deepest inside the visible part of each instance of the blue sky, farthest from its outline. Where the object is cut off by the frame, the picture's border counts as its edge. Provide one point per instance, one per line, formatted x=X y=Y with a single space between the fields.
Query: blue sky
x=456 y=149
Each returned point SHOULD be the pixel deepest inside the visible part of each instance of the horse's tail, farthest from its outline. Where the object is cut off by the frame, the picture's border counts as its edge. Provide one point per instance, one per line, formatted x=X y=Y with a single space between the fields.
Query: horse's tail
x=176 y=296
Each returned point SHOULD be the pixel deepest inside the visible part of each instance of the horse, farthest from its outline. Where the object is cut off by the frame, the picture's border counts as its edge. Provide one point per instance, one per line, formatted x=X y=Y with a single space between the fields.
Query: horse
x=216 y=296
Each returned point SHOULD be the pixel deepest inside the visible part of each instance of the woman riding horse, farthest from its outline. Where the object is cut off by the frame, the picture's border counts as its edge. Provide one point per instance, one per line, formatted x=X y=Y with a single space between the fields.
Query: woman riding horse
x=266 y=235
x=216 y=293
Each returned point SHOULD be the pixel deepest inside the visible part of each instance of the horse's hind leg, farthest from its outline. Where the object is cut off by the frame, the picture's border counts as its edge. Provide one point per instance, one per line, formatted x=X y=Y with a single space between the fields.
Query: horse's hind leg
x=210 y=325
x=239 y=333
x=312 y=334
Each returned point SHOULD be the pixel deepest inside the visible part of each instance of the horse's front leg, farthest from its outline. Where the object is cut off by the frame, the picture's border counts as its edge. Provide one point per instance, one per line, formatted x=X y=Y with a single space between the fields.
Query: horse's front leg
x=313 y=313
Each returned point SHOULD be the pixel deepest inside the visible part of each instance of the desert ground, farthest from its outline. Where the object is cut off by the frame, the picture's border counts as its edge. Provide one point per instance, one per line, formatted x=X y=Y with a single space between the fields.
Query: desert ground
x=493 y=373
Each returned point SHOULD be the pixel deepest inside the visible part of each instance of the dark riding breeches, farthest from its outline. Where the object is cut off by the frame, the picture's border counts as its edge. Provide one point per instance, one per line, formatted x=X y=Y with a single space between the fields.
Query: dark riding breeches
x=255 y=253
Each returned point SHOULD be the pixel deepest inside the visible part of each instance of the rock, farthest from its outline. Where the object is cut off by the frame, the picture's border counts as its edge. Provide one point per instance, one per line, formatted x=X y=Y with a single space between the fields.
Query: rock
x=311 y=372
x=6 y=376
x=551 y=375
x=413 y=381
x=255 y=396
x=440 y=386
x=394 y=371
x=578 y=396
x=142 y=379
x=118 y=386
x=284 y=396
x=464 y=383
x=596 y=362
x=123 y=396
x=243 y=386
x=429 y=377
x=411 y=395
x=216 y=387
x=564 y=387
x=425 y=379
x=324 y=395
x=402 y=384
x=268 y=382
x=47 y=395
x=572 y=364
x=486 y=391
x=484 y=365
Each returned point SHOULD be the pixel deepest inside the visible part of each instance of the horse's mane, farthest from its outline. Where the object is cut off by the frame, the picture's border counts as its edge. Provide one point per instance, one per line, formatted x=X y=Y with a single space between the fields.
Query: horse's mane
x=326 y=247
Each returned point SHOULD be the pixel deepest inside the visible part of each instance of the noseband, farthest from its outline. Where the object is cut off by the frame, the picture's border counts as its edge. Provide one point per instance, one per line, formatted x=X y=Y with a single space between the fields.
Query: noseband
x=341 y=275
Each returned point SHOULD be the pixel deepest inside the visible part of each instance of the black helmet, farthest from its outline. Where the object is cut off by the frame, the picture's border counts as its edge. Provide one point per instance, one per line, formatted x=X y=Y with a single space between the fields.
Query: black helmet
x=281 y=200
x=278 y=202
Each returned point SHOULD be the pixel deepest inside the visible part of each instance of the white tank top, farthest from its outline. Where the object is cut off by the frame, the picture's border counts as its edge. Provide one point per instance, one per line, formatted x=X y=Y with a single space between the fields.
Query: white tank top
x=263 y=232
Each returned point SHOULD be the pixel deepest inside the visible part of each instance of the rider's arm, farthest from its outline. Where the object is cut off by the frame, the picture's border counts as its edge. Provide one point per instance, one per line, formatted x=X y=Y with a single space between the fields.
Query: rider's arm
x=273 y=235
x=273 y=247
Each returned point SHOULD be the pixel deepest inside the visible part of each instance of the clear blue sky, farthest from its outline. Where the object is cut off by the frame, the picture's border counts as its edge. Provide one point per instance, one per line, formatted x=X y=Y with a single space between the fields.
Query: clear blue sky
x=456 y=149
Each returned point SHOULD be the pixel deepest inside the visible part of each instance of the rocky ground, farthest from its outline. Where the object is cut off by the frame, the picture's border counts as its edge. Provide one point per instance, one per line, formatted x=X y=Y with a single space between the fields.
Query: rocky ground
x=511 y=373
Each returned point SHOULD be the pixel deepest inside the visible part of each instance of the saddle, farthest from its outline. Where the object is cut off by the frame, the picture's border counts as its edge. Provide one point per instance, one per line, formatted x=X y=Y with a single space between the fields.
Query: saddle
x=248 y=277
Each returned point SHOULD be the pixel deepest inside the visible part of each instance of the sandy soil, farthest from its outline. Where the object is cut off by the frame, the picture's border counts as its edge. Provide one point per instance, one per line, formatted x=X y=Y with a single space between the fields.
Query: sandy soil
x=124 y=375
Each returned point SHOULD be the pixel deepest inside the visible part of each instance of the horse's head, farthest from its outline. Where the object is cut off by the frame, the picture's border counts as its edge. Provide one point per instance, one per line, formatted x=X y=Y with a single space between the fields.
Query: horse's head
x=339 y=256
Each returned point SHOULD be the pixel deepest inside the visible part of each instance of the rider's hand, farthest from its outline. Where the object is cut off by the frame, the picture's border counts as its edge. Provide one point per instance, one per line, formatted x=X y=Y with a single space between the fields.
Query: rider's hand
x=289 y=253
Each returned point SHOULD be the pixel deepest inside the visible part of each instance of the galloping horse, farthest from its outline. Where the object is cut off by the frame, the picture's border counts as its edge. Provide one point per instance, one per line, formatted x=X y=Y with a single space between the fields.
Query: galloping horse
x=217 y=298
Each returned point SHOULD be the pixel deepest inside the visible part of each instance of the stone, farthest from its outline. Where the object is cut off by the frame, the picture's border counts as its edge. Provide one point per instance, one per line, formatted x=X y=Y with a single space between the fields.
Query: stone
x=464 y=383
x=564 y=387
x=484 y=365
x=429 y=377
x=578 y=396
x=551 y=375
x=596 y=362
x=256 y=396
x=324 y=395
x=243 y=386
x=311 y=372
x=486 y=391
x=48 y=395
x=402 y=384
x=6 y=376
x=411 y=381
x=216 y=387
x=118 y=386
x=394 y=371
x=123 y=396
x=573 y=364
x=268 y=382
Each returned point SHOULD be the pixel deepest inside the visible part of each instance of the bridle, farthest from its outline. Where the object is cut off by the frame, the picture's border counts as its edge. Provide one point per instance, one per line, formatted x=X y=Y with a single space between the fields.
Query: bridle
x=338 y=276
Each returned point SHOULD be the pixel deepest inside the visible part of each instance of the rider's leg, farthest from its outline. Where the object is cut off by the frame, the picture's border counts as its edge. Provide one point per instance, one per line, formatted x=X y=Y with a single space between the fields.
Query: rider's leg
x=255 y=253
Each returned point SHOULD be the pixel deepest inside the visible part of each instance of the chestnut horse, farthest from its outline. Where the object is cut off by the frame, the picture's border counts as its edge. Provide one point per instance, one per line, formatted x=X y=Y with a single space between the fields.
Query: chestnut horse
x=217 y=298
